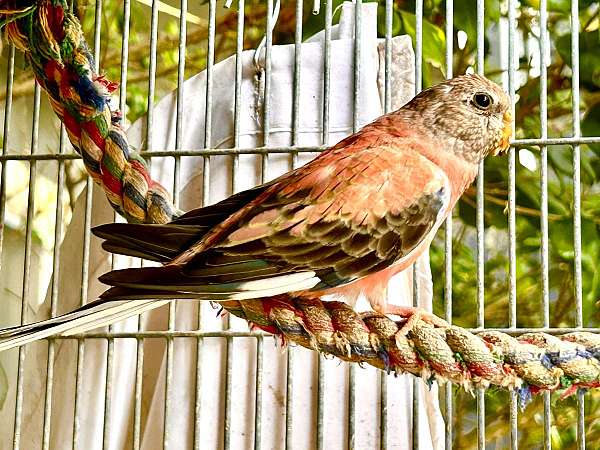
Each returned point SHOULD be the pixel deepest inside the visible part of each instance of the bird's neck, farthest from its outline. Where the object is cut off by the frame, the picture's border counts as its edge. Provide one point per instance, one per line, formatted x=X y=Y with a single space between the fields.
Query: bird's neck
x=460 y=171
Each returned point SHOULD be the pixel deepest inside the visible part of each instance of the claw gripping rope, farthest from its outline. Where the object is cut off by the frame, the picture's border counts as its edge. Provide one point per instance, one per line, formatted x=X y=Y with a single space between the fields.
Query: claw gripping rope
x=53 y=42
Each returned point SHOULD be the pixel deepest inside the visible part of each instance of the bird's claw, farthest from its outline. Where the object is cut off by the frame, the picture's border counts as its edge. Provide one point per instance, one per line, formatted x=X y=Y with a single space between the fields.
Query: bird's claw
x=413 y=314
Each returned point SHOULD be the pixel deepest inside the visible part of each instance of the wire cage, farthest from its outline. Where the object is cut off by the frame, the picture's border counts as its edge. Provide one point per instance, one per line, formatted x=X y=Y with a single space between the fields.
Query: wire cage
x=523 y=56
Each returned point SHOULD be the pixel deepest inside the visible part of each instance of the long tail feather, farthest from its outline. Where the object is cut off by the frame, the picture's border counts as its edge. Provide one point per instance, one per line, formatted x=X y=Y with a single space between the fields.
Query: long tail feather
x=154 y=242
x=129 y=299
x=89 y=317
x=209 y=286
x=223 y=277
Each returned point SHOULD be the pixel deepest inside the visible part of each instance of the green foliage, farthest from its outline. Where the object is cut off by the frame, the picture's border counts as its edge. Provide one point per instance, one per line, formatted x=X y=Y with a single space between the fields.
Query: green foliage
x=589 y=60
x=434 y=43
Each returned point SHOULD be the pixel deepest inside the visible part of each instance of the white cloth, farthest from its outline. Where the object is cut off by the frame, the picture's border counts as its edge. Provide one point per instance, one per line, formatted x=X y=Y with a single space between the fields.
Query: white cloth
x=181 y=422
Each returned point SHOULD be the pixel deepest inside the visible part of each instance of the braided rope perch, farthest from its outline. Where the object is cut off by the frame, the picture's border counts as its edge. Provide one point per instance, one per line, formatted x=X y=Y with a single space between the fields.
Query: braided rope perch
x=53 y=42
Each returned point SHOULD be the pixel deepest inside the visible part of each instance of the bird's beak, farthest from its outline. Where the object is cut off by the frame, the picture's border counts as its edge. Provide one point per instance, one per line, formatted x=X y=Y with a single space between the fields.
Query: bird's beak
x=506 y=133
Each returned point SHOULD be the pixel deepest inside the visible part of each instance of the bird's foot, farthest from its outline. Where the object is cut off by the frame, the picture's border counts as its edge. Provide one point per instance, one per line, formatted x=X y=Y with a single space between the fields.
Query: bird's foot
x=413 y=314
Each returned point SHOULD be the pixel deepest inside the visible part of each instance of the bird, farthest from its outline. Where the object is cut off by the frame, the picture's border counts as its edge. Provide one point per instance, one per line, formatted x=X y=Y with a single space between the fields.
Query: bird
x=339 y=227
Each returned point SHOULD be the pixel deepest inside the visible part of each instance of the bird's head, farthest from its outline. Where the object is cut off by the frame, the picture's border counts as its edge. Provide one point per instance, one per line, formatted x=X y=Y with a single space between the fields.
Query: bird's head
x=469 y=112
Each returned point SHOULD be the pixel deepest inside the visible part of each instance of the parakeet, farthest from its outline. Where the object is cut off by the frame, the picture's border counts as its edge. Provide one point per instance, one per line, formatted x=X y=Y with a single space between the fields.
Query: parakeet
x=340 y=226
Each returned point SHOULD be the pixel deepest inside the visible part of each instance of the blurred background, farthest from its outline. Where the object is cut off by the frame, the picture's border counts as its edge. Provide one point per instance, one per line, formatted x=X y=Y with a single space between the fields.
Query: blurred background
x=464 y=269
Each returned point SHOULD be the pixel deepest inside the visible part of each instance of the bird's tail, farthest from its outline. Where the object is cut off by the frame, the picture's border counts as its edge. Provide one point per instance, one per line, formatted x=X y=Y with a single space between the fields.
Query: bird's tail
x=148 y=241
x=94 y=315
x=120 y=302
x=143 y=289
x=152 y=242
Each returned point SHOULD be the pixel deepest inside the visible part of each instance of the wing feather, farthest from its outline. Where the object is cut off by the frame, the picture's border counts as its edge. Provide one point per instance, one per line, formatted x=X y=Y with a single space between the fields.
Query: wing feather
x=333 y=221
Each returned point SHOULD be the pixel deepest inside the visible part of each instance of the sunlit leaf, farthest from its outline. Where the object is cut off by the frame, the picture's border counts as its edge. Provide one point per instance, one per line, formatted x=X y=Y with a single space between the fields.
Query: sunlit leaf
x=434 y=42
x=175 y=12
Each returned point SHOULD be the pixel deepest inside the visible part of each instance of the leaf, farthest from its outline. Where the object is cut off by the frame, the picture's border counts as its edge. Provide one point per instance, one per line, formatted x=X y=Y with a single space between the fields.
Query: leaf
x=563 y=6
x=434 y=42
x=589 y=57
x=175 y=12
x=465 y=18
x=590 y=238
x=561 y=236
x=528 y=189
x=466 y=212
x=396 y=22
x=590 y=126
x=591 y=205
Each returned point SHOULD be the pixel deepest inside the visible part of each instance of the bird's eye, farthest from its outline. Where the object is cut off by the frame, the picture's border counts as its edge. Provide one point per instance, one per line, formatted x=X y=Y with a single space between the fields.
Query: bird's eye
x=482 y=100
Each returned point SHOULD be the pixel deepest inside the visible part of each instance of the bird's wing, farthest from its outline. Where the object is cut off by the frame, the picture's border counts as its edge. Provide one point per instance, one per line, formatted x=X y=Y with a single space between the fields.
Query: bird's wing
x=164 y=242
x=347 y=215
